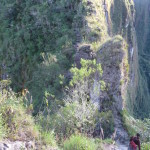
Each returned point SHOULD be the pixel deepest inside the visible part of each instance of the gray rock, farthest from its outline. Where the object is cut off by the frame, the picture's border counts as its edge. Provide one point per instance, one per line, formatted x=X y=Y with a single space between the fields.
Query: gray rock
x=16 y=145
x=84 y=52
x=85 y=48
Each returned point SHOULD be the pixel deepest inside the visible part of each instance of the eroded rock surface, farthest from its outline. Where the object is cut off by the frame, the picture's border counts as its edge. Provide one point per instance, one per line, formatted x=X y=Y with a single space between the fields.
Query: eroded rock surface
x=114 y=60
x=23 y=145
x=84 y=52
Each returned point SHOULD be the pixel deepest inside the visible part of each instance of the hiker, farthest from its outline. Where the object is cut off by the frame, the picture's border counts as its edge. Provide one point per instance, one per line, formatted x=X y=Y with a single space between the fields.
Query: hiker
x=132 y=145
x=136 y=140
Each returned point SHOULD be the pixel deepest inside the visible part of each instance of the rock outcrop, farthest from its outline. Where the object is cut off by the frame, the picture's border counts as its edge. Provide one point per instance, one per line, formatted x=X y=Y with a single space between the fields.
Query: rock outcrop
x=84 y=52
x=23 y=145
x=114 y=59
x=17 y=145
x=119 y=62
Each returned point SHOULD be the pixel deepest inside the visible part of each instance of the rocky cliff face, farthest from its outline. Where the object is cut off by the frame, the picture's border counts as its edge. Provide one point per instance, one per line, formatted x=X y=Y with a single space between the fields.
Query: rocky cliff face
x=117 y=54
x=113 y=56
x=105 y=30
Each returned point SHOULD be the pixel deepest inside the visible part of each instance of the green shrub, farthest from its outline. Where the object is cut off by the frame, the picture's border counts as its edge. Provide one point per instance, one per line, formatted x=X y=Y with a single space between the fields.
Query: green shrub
x=87 y=71
x=138 y=126
x=72 y=118
x=107 y=122
x=101 y=143
x=48 y=138
x=108 y=141
x=145 y=146
x=78 y=142
x=2 y=128
x=127 y=123
x=78 y=115
x=18 y=124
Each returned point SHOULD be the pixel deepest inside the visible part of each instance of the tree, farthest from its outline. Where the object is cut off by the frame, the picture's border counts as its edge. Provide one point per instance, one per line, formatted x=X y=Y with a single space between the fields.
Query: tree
x=29 y=28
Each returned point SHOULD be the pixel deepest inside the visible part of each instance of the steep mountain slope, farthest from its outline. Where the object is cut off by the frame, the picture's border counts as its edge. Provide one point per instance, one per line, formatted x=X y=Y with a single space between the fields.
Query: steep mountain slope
x=118 y=56
x=119 y=62
x=41 y=40
x=141 y=105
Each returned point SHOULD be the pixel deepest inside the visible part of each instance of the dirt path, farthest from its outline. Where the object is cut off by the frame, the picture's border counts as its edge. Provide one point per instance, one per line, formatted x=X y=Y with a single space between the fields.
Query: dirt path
x=118 y=146
x=121 y=146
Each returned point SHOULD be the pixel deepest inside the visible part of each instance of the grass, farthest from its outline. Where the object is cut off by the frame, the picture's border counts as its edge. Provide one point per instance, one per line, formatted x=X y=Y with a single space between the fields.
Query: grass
x=15 y=123
x=48 y=138
x=113 y=46
x=96 y=28
x=145 y=146
x=95 y=46
x=80 y=142
x=138 y=126
x=127 y=121
x=2 y=128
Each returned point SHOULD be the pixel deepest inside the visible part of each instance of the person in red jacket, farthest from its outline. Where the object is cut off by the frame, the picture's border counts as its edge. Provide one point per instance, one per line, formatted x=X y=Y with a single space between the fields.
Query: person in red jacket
x=136 y=140
x=132 y=145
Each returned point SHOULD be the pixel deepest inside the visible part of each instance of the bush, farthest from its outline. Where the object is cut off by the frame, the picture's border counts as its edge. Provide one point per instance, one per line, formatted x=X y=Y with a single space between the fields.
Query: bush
x=48 y=138
x=78 y=114
x=18 y=124
x=2 y=128
x=78 y=142
x=80 y=110
x=145 y=146
x=127 y=121
x=138 y=126
x=107 y=122
x=87 y=71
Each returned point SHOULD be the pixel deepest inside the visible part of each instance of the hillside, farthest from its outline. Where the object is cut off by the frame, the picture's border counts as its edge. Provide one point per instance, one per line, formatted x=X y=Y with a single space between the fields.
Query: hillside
x=142 y=28
x=76 y=70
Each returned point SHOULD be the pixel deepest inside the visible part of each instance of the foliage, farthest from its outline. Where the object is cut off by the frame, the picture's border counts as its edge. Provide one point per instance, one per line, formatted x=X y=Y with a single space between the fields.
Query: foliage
x=127 y=123
x=37 y=45
x=105 y=141
x=107 y=122
x=28 y=29
x=145 y=146
x=16 y=122
x=78 y=115
x=88 y=69
x=108 y=141
x=48 y=138
x=138 y=126
x=79 y=142
x=2 y=128
x=37 y=42
x=50 y=70
x=32 y=33
x=15 y=126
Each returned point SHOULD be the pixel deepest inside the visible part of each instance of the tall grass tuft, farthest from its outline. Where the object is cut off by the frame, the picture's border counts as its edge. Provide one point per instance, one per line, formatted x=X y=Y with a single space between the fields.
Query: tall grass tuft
x=146 y=146
x=2 y=128
x=79 y=142
x=48 y=138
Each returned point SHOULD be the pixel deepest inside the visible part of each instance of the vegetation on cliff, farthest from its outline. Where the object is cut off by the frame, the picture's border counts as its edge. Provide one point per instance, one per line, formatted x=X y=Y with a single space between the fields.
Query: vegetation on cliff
x=70 y=66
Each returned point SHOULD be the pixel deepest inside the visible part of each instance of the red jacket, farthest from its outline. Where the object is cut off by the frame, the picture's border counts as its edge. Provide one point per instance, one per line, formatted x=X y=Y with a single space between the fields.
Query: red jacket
x=133 y=145
x=137 y=142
